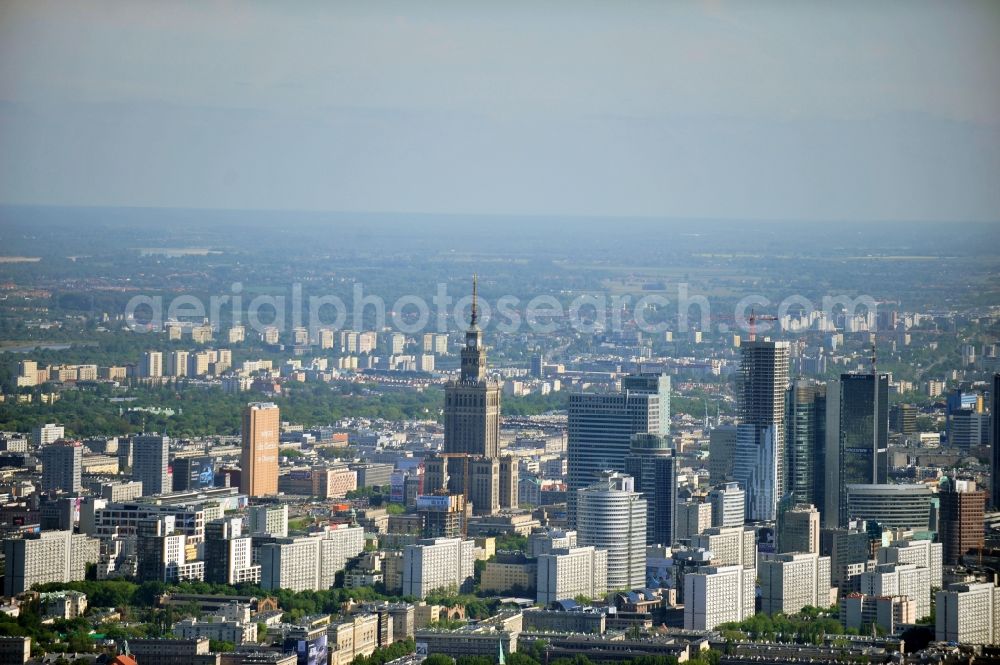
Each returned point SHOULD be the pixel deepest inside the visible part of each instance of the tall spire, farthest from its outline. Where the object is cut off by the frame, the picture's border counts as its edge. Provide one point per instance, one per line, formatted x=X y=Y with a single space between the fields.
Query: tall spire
x=475 y=298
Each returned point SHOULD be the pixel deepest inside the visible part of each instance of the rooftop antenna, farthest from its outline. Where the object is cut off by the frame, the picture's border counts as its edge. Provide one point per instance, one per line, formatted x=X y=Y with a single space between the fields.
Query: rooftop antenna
x=475 y=298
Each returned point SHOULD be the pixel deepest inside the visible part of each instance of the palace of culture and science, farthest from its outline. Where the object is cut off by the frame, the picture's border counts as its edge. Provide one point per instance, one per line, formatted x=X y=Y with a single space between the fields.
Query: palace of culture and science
x=471 y=464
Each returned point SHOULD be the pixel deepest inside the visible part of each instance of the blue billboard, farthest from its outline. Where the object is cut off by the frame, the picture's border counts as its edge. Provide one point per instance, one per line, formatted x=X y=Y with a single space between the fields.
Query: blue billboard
x=309 y=651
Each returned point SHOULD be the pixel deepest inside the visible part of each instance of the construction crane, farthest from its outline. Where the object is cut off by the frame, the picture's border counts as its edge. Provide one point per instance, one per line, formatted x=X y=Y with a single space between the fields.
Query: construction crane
x=754 y=318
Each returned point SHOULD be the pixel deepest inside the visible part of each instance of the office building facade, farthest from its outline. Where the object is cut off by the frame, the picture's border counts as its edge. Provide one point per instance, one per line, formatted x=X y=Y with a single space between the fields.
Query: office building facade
x=806 y=441
x=612 y=517
x=791 y=581
x=857 y=432
x=728 y=504
x=759 y=464
x=62 y=467
x=652 y=462
x=438 y=564
x=564 y=574
x=961 y=523
x=259 y=454
x=151 y=463
x=601 y=425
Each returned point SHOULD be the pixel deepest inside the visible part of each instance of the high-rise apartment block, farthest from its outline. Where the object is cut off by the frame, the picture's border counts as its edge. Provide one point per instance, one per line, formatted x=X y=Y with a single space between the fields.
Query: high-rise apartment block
x=968 y=614
x=228 y=553
x=268 y=520
x=789 y=582
x=730 y=546
x=798 y=529
x=310 y=563
x=693 y=517
x=897 y=579
x=436 y=343
x=62 y=465
x=728 y=504
x=177 y=363
x=718 y=594
x=152 y=364
x=290 y=563
x=27 y=373
x=922 y=553
x=164 y=554
x=564 y=574
x=441 y=563
x=43 y=435
x=49 y=556
x=151 y=463
x=546 y=541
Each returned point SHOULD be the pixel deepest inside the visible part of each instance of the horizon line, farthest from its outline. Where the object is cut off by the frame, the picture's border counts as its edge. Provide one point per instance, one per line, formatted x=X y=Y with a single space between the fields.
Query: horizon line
x=523 y=215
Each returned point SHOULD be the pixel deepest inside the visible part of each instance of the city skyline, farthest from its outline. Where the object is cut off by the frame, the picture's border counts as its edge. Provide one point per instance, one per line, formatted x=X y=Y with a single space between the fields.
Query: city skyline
x=453 y=333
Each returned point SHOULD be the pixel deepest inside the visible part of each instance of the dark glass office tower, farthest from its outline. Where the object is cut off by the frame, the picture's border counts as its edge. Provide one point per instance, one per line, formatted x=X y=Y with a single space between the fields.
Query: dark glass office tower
x=805 y=438
x=601 y=425
x=652 y=462
x=857 y=449
x=995 y=439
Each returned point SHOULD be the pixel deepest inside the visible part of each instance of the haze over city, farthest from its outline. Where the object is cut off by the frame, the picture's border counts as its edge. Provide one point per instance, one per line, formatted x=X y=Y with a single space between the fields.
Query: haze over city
x=811 y=112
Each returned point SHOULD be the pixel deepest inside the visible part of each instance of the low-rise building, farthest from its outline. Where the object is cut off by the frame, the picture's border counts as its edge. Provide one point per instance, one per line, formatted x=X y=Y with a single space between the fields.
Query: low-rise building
x=173 y=652
x=15 y=650
x=216 y=628
x=570 y=619
x=477 y=640
x=358 y=636
x=63 y=604
x=510 y=572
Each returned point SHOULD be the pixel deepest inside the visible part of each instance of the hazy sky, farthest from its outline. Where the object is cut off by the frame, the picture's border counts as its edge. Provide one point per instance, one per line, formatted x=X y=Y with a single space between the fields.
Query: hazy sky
x=793 y=110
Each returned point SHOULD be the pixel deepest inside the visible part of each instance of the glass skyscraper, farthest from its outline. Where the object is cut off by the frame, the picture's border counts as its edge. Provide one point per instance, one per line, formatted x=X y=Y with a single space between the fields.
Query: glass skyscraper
x=760 y=436
x=805 y=435
x=857 y=449
x=601 y=426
